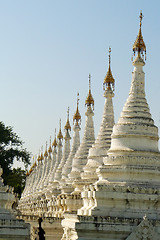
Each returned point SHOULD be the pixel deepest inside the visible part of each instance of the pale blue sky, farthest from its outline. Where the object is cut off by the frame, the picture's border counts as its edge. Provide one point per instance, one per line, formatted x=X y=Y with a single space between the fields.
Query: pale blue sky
x=48 y=48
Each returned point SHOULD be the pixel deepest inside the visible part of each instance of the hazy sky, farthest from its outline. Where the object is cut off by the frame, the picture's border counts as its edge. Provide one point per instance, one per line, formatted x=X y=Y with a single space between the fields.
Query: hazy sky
x=48 y=48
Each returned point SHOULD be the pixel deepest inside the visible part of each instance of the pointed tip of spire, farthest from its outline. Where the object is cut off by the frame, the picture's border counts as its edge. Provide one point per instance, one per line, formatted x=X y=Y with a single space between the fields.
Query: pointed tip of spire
x=67 y=126
x=140 y=17
x=31 y=170
x=46 y=152
x=89 y=100
x=139 y=45
x=89 y=77
x=60 y=136
x=35 y=163
x=109 y=51
x=54 y=144
x=39 y=158
x=50 y=149
x=77 y=116
x=50 y=145
x=109 y=80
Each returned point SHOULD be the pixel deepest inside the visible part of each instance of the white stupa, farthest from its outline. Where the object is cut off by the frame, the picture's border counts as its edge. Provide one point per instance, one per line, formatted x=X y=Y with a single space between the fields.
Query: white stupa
x=66 y=181
x=127 y=193
x=103 y=141
x=66 y=150
x=80 y=158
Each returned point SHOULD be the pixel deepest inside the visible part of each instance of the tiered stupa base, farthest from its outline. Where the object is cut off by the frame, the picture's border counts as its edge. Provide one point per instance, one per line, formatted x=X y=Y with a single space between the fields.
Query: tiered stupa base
x=113 y=228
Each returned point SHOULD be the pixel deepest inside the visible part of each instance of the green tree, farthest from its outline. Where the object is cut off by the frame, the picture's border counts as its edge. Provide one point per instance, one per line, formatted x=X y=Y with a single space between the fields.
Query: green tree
x=11 y=148
x=16 y=179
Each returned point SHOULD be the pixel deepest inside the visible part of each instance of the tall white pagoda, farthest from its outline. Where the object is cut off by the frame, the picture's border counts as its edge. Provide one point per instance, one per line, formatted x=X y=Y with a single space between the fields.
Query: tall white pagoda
x=126 y=197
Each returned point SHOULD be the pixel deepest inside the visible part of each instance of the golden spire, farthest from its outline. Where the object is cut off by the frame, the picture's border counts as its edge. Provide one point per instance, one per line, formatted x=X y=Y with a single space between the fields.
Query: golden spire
x=31 y=170
x=77 y=116
x=139 y=45
x=50 y=148
x=67 y=126
x=41 y=158
x=60 y=136
x=109 y=80
x=46 y=153
x=34 y=164
x=89 y=100
x=54 y=144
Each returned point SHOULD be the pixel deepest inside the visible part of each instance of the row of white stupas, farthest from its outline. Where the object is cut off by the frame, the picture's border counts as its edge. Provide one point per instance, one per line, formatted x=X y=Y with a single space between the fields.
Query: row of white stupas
x=108 y=188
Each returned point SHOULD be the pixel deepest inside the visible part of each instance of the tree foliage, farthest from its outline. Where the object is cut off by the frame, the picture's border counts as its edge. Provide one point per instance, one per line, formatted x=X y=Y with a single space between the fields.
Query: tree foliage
x=16 y=179
x=11 y=148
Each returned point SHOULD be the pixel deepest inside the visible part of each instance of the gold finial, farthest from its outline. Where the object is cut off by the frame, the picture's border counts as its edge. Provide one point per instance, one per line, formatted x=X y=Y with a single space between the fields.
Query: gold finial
x=34 y=164
x=31 y=170
x=54 y=144
x=50 y=148
x=42 y=153
x=108 y=83
x=39 y=156
x=67 y=126
x=77 y=116
x=60 y=136
x=89 y=100
x=89 y=77
x=141 y=17
x=109 y=50
x=46 y=153
x=139 y=45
